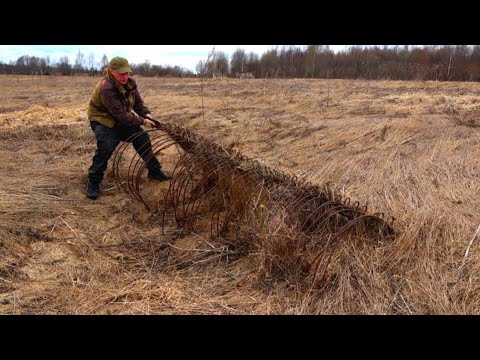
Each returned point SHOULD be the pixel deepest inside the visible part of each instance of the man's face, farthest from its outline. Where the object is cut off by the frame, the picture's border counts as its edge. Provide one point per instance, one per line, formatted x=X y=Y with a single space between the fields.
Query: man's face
x=121 y=78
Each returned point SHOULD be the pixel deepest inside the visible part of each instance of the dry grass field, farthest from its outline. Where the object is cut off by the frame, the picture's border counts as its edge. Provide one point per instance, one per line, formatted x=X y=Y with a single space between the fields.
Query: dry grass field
x=408 y=149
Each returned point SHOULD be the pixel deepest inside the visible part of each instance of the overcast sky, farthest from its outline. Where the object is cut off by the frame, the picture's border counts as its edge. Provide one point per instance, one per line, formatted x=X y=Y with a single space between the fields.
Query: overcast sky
x=186 y=56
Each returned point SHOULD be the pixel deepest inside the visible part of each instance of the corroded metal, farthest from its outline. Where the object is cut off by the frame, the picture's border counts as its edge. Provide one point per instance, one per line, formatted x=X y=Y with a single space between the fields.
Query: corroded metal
x=235 y=192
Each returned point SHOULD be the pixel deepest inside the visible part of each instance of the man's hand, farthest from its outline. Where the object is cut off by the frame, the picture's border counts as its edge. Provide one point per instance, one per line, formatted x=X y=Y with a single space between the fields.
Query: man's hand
x=149 y=123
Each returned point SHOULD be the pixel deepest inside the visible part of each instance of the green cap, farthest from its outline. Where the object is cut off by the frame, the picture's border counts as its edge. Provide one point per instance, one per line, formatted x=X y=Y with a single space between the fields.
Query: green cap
x=120 y=64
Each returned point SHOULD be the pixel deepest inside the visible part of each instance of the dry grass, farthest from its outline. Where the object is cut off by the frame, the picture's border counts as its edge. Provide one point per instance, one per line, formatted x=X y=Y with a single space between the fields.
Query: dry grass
x=409 y=149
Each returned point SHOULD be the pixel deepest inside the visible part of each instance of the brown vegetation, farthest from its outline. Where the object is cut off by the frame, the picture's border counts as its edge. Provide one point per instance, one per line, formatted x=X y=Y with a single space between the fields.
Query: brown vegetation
x=407 y=149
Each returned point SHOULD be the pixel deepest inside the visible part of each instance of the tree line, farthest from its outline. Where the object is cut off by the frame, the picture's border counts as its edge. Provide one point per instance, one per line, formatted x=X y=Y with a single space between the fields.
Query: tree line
x=429 y=62
x=33 y=65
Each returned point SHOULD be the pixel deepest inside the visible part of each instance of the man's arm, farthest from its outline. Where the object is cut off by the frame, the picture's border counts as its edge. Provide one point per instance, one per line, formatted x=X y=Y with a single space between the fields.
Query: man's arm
x=139 y=106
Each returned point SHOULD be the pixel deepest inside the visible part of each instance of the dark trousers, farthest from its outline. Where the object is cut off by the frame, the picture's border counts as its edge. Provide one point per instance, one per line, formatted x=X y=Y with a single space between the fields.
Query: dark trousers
x=107 y=141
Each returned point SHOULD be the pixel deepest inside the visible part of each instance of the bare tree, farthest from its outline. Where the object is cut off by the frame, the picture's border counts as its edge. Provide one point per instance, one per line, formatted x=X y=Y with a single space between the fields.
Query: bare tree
x=270 y=63
x=79 y=62
x=452 y=54
x=199 y=67
x=104 y=62
x=312 y=51
x=64 y=66
x=203 y=66
x=91 y=62
x=220 y=63
x=238 y=62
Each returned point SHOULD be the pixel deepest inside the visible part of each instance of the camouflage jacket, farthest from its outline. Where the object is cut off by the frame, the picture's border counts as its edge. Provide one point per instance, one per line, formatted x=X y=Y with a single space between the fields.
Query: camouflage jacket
x=112 y=103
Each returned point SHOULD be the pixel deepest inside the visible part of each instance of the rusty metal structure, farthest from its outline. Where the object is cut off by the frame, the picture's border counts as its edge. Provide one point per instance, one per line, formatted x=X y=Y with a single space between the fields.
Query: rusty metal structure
x=248 y=204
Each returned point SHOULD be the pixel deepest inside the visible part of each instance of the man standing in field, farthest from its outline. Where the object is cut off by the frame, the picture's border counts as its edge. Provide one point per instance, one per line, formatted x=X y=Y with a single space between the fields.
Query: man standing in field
x=116 y=111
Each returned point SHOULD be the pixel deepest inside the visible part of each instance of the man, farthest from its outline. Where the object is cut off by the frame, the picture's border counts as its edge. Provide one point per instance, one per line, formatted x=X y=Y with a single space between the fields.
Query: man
x=112 y=119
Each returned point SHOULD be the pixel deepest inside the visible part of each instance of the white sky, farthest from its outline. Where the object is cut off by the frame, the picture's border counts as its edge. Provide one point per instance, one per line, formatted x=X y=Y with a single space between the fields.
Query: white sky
x=186 y=56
